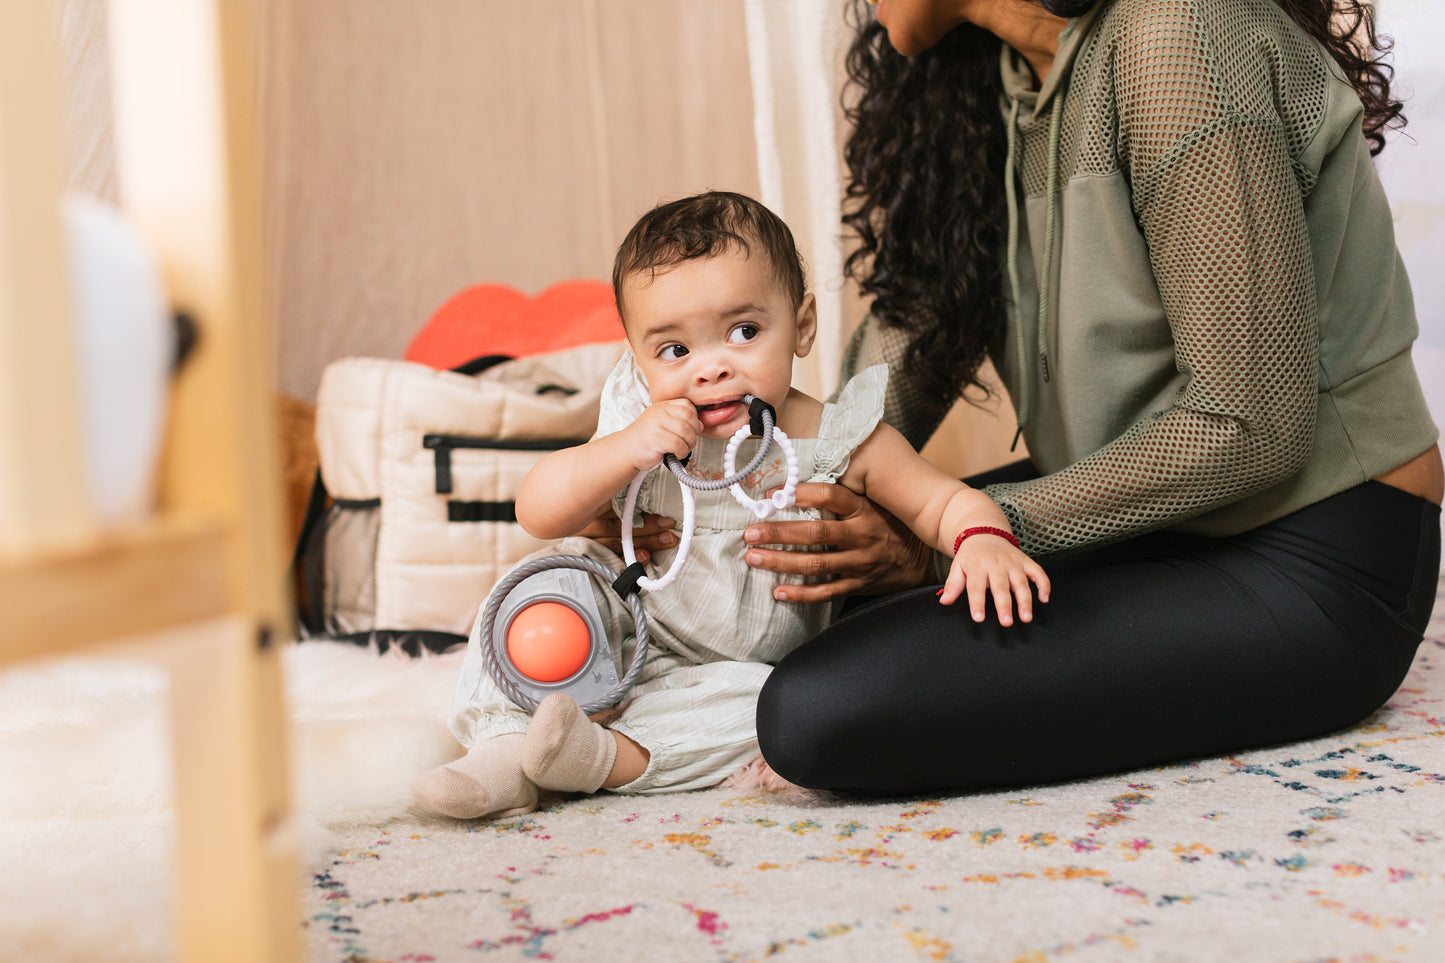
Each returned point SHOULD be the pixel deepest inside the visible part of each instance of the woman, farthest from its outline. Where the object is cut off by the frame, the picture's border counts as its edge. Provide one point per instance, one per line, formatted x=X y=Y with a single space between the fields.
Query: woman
x=1172 y=243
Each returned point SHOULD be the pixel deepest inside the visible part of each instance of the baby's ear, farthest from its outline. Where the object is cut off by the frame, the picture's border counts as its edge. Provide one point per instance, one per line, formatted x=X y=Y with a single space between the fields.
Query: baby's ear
x=807 y=324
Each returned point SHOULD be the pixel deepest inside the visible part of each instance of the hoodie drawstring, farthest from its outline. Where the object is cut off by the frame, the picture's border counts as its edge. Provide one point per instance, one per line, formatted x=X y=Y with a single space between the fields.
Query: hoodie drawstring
x=1011 y=193
x=1046 y=277
x=1046 y=268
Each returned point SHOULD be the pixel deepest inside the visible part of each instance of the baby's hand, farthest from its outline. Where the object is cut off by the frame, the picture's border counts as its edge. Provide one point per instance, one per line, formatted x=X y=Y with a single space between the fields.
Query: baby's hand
x=990 y=563
x=666 y=428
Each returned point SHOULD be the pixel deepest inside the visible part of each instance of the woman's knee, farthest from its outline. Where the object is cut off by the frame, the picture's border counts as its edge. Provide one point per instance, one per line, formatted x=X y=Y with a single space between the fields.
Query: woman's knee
x=787 y=732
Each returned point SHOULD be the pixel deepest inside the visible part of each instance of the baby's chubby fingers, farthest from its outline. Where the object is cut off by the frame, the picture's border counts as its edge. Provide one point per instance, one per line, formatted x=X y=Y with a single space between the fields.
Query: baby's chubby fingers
x=952 y=588
x=1003 y=600
x=679 y=419
x=977 y=589
x=1040 y=578
x=665 y=428
x=1023 y=594
x=678 y=410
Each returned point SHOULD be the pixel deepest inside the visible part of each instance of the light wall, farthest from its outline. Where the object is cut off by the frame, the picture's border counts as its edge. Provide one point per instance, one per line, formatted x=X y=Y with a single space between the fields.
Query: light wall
x=1413 y=169
x=417 y=148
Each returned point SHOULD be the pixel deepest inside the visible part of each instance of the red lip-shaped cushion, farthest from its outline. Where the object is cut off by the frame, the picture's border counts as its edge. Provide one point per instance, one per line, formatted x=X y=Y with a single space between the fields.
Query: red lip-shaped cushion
x=497 y=319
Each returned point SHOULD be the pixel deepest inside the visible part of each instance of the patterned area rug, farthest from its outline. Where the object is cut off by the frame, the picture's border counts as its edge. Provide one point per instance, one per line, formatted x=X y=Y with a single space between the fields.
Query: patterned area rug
x=1332 y=850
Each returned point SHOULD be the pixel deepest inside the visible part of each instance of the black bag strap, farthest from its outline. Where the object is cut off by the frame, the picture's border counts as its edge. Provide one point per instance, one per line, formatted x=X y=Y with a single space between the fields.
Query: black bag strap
x=482 y=363
x=315 y=510
x=410 y=641
x=307 y=588
x=308 y=608
x=477 y=365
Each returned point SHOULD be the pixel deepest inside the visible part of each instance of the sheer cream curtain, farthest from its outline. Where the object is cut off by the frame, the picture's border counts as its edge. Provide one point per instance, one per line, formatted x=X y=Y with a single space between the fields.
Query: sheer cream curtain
x=85 y=84
x=792 y=56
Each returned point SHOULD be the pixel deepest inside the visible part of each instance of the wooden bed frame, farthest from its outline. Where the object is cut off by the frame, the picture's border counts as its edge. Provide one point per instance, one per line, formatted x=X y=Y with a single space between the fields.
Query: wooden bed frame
x=200 y=586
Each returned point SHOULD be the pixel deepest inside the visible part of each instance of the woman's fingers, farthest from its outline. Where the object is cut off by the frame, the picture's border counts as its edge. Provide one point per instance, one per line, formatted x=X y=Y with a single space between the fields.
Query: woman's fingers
x=653 y=534
x=812 y=564
x=820 y=591
x=863 y=549
x=842 y=502
x=652 y=526
x=603 y=527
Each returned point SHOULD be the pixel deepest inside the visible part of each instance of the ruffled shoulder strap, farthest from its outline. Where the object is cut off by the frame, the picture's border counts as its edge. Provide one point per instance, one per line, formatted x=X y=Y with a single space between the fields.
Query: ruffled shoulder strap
x=847 y=421
x=625 y=396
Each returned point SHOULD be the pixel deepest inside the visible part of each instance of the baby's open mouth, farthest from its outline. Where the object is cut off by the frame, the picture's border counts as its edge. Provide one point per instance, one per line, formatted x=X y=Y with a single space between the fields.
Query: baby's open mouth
x=718 y=413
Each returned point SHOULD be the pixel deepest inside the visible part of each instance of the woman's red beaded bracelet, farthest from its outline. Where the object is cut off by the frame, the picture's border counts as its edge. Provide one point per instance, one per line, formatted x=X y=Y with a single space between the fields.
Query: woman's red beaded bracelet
x=984 y=530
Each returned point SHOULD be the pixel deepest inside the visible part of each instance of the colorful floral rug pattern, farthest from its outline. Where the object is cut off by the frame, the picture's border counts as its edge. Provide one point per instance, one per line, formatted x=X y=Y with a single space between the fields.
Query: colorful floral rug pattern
x=1332 y=850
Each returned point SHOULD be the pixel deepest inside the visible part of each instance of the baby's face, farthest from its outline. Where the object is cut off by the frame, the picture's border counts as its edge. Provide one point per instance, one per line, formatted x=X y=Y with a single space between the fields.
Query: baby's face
x=714 y=329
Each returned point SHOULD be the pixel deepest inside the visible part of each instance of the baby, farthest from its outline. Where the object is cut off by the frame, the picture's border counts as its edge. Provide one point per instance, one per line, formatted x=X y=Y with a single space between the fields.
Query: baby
x=713 y=301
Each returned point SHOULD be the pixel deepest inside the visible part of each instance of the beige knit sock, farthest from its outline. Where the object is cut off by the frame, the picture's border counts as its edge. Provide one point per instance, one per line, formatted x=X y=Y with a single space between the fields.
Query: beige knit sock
x=488 y=781
x=564 y=750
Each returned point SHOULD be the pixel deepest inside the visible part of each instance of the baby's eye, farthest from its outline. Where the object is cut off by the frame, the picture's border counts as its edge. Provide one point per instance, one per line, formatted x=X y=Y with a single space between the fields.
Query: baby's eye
x=743 y=333
x=671 y=352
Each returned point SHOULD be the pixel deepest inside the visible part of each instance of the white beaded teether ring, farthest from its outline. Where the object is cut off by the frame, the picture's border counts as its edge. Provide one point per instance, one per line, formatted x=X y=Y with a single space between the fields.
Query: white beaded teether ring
x=783 y=498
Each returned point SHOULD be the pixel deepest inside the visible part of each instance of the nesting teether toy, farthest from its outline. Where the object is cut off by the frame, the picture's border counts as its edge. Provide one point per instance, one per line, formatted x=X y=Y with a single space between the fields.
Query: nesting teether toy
x=541 y=628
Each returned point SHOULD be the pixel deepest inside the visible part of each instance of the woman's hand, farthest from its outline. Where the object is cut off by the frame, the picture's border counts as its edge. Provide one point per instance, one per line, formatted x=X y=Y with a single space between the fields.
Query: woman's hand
x=863 y=549
x=654 y=534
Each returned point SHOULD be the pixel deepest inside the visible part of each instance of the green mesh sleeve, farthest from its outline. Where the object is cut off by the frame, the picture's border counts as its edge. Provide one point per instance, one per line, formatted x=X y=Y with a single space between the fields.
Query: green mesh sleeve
x=1210 y=111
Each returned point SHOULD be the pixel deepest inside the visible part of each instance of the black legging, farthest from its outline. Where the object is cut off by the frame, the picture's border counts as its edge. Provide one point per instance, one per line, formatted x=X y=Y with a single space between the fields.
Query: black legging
x=1162 y=648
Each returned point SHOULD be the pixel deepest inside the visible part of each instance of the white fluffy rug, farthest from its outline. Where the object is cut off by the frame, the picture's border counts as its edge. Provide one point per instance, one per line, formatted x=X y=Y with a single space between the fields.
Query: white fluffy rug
x=1332 y=850
x=85 y=787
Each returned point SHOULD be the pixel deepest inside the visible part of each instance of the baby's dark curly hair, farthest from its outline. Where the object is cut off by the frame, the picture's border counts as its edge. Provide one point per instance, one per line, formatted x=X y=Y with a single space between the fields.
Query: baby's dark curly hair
x=925 y=192
x=704 y=225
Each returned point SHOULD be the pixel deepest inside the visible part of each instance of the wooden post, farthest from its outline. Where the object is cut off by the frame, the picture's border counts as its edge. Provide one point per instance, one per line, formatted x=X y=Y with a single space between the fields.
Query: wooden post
x=187 y=149
x=42 y=495
x=212 y=562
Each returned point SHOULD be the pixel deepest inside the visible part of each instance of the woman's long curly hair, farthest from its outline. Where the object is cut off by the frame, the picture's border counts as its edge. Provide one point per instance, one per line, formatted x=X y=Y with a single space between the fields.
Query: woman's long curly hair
x=925 y=192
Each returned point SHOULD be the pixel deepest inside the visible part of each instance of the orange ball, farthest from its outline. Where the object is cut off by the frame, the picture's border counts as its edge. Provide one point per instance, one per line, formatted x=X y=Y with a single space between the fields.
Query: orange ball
x=548 y=642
